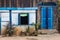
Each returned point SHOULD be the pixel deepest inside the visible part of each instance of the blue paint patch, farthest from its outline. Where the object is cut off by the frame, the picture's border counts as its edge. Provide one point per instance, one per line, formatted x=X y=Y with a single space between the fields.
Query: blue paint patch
x=19 y=21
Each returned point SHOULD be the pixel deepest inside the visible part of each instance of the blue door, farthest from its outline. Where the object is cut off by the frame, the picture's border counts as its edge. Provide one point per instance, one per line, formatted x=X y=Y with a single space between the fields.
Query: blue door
x=46 y=17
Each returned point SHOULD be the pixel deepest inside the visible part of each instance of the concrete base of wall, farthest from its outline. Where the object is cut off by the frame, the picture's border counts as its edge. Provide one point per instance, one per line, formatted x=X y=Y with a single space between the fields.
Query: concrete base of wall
x=46 y=31
x=17 y=30
x=22 y=30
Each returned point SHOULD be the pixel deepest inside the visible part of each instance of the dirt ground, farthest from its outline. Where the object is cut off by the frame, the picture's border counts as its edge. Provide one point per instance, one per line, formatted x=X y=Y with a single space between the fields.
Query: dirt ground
x=39 y=37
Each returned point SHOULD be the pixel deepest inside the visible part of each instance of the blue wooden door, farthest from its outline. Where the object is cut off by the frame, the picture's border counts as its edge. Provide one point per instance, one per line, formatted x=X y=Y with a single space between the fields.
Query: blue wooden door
x=49 y=13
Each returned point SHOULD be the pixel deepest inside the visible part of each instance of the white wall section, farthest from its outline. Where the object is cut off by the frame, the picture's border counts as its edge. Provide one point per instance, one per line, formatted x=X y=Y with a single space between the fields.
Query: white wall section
x=14 y=19
x=5 y=16
x=32 y=18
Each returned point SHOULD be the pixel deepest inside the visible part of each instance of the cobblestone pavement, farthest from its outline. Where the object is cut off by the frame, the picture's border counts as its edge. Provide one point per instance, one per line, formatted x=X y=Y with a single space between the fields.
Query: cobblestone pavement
x=39 y=37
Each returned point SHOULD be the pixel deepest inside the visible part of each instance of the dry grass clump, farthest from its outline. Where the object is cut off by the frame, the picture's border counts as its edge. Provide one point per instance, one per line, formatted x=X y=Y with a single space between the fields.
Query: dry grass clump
x=3 y=30
x=17 y=31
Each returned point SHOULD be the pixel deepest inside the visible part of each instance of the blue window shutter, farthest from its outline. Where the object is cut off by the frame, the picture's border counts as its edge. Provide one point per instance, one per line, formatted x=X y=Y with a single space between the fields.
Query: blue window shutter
x=43 y=17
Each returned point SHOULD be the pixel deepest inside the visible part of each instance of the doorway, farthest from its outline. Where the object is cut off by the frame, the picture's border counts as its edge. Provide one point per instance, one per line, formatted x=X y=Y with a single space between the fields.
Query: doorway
x=46 y=18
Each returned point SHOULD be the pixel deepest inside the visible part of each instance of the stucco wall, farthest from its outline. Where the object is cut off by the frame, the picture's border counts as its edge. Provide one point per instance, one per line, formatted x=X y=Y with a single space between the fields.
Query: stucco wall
x=32 y=16
x=5 y=16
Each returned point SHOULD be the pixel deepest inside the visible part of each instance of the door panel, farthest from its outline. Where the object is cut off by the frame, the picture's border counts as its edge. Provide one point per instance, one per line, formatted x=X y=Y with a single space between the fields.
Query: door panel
x=43 y=18
x=50 y=17
x=43 y=23
x=43 y=12
x=49 y=23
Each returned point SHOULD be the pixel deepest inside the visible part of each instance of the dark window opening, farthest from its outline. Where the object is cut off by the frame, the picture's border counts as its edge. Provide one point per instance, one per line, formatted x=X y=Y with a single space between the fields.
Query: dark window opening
x=23 y=19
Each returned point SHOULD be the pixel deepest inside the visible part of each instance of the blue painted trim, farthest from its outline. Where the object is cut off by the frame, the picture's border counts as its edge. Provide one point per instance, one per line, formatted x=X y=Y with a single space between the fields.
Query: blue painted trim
x=13 y=8
x=0 y=23
x=19 y=21
x=36 y=19
x=10 y=14
x=28 y=18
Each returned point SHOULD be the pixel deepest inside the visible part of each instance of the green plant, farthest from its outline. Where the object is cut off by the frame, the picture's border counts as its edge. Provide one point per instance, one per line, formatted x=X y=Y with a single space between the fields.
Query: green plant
x=27 y=29
x=58 y=15
x=37 y=26
x=9 y=29
x=59 y=24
